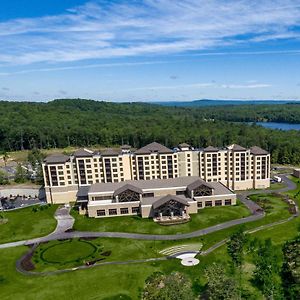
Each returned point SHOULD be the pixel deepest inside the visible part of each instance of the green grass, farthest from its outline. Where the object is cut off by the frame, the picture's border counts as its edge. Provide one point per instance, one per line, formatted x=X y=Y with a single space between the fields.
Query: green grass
x=204 y=218
x=26 y=224
x=126 y=281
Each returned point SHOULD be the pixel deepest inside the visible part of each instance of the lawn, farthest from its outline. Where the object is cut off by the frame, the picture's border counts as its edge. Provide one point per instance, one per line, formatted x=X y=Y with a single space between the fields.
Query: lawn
x=204 y=218
x=24 y=223
x=107 y=282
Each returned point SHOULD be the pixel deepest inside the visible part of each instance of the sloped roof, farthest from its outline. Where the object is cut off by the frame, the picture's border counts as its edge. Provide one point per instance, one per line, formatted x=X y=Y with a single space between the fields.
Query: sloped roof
x=235 y=147
x=198 y=183
x=255 y=150
x=167 y=198
x=83 y=153
x=109 y=152
x=183 y=145
x=126 y=187
x=211 y=149
x=126 y=147
x=56 y=159
x=153 y=148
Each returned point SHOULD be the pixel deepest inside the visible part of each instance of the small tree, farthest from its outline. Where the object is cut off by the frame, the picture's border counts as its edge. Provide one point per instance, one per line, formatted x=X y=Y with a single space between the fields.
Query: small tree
x=266 y=273
x=21 y=174
x=235 y=247
x=3 y=178
x=175 y=286
x=5 y=158
x=219 y=285
x=290 y=272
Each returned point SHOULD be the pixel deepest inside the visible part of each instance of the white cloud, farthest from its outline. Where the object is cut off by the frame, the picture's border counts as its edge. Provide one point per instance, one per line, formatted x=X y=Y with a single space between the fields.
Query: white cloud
x=245 y=86
x=106 y=29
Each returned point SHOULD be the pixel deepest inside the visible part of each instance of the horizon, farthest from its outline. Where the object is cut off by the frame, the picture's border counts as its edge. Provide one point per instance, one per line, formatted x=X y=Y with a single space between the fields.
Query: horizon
x=149 y=51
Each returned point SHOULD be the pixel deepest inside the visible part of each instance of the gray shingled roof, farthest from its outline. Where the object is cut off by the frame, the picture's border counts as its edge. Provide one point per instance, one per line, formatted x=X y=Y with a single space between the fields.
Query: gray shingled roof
x=153 y=148
x=126 y=147
x=148 y=185
x=166 y=199
x=126 y=187
x=183 y=145
x=255 y=150
x=198 y=183
x=56 y=158
x=83 y=153
x=109 y=152
x=83 y=191
x=210 y=149
x=235 y=147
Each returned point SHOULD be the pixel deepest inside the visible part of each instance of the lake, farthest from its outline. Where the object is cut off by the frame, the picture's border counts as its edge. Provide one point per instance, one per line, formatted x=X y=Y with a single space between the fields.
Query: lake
x=282 y=126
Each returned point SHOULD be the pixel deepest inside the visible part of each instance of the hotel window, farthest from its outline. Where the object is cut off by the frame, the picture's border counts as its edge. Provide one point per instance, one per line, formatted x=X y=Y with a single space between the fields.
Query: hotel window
x=208 y=203
x=135 y=210
x=228 y=202
x=199 y=204
x=218 y=203
x=100 y=212
x=112 y=212
x=124 y=211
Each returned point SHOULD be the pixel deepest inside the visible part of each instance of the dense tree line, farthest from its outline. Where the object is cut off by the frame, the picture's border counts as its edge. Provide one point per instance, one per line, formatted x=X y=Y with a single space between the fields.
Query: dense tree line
x=77 y=122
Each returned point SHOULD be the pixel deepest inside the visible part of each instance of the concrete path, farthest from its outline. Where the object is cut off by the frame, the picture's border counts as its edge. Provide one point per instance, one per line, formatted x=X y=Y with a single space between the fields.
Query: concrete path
x=65 y=222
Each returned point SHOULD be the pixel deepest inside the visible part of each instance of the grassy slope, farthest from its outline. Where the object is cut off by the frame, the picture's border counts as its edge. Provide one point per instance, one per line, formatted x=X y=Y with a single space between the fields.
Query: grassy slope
x=205 y=218
x=102 y=282
x=25 y=224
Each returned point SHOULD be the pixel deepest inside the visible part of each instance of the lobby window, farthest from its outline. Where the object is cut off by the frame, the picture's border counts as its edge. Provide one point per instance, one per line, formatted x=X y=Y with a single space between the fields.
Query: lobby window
x=100 y=212
x=135 y=210
x=112 y=212
x=124 y=211
x=208 y=203
x=218 y=203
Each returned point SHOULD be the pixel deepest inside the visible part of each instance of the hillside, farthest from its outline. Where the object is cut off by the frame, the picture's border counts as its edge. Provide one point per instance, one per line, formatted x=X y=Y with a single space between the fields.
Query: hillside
x=77 y=122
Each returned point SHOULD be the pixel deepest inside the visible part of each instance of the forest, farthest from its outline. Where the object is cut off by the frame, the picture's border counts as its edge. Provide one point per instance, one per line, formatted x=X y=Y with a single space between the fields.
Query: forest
x=78 y=122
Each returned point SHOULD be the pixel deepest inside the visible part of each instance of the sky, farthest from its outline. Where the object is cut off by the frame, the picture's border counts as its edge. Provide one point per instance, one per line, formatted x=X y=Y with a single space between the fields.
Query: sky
x=149 y=50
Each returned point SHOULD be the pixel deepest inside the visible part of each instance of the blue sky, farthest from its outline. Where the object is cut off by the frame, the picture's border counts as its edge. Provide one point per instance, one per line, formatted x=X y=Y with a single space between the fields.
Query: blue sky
x=149 y=50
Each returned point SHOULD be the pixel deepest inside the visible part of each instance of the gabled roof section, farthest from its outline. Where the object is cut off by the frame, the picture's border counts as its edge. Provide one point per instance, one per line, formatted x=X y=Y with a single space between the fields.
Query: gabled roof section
x=127 y=187
x=197 y=183
x=235 y=147
x=109 y=152
x=255 y=150
x=56 y=159
x=83 y=153
x=211 y=149
x=126 y=147
x=153 y=148
x=183 y=145
x=166 y=199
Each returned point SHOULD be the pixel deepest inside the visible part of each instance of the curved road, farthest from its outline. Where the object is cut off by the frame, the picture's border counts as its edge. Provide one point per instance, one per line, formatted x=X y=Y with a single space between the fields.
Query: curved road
x=64 y=218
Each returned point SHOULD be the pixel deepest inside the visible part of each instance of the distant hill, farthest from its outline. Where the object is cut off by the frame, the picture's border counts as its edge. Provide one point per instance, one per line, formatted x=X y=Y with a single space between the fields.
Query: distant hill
x=208 y=102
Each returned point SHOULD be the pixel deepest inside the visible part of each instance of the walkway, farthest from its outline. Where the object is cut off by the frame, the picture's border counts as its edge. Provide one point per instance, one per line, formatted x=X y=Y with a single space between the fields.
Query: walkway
x=65 y=221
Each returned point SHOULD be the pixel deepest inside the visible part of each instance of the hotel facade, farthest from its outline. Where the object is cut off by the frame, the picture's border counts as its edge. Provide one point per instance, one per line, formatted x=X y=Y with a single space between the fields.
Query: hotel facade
x=74 y=178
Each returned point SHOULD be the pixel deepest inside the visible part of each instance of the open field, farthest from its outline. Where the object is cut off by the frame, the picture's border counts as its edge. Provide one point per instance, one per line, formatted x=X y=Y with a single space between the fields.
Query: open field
x=25 y=223
x=204 y=218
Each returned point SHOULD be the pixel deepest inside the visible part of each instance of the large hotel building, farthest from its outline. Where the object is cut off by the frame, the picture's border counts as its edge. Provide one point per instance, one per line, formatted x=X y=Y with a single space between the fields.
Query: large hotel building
x=70 y=178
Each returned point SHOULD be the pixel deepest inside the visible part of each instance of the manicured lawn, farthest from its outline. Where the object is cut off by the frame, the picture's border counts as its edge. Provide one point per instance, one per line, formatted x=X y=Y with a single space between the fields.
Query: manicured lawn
x=204 y=218
x=66 y=254
x=25 y=223
x=113 y=282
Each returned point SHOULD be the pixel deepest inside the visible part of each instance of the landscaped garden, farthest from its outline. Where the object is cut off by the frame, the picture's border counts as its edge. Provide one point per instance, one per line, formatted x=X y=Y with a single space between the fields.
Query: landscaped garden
x=204 y=218
x=27 y=223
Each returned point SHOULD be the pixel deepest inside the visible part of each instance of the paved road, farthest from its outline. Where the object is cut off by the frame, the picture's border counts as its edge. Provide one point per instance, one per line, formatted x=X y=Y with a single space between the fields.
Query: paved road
x=64 y=222
x=64 y=217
